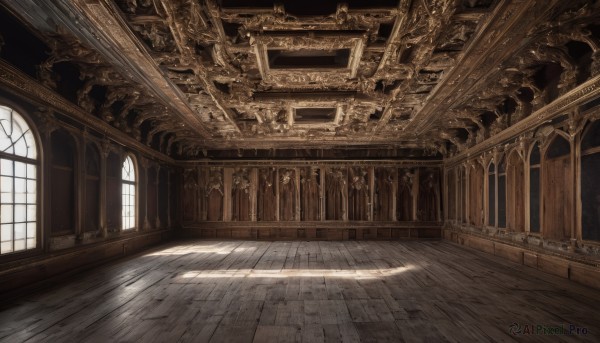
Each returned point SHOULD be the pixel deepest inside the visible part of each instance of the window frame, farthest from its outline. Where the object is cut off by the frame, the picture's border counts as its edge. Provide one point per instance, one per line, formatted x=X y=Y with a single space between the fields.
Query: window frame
x=38 y=163
x=134 y=183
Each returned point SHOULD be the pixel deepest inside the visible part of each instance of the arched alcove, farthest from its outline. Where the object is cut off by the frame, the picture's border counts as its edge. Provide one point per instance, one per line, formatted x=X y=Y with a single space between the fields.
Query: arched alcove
x=590 y=188
x=92 y=188
x=534 y=188
x=557 y=190
x=63 y=196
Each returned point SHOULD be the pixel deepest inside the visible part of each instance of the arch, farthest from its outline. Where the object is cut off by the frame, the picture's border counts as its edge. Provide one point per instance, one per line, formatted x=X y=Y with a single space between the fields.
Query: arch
x=19 y=230
x=557 y=192
x=128 y=192
x=63 y=185
x=534 y=187
x=558 y=147
x=515 y=176
x=590 y=167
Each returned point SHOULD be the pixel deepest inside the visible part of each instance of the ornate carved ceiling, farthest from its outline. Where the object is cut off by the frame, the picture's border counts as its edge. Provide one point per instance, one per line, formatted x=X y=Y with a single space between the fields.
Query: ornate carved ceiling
x=433 y=76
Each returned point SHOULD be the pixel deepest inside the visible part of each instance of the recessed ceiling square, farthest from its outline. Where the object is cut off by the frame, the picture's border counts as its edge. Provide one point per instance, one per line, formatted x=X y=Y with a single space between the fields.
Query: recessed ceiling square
x=314 y=115
x=308 y=58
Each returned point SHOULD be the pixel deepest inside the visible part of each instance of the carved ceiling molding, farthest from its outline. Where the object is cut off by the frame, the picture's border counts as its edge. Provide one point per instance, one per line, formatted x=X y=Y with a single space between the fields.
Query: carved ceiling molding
x=429 y=75
x=15 y=81
x=497 y=40
x=577 y=96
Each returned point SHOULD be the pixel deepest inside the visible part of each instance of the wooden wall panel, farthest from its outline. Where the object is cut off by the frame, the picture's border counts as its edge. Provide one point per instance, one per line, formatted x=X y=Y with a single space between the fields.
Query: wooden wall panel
x=190 y=194
x=386 y=182
x=113 y=192
x=515 y=175
x=267 y=194
x=310 y=194
x=429 y=195
x=557 y=198
x=476 y=178
x=287 y=194
x=214 y=193
x=241 y=188
x=358 y=193
x=405 y=202
x=152 y=197
x=335 y=193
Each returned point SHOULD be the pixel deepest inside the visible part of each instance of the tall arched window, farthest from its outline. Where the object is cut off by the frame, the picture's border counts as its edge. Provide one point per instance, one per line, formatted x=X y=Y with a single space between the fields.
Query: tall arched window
x=128 y=193
x=18 y=183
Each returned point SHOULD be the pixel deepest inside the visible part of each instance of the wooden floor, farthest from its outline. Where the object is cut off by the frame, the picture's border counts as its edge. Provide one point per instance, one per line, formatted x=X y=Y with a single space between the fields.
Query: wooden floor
x=244 y=291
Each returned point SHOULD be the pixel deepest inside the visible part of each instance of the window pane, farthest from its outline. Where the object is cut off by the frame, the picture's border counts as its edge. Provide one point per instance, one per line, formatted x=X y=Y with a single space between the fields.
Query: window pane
x=6 y=232
x=31 y=213
x=6 y=247
x=31 y=186
x=20 y=190
x=20 y=231
x=31 y=230
x=6 y=167
x=19 y=244
x=6 y=184
x=20 y=169
x=31 y=172
x=20 y=213
x=6 y=214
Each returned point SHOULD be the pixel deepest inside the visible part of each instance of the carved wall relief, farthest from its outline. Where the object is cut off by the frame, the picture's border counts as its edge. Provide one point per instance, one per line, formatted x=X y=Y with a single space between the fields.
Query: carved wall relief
x=266 y=197
x=429 y=195
x=476 y=192
x=404 y=202
x=310 y=193
x=190 y=195
x=385 y=187
x=358 y=193
x=287 y=194
x=240 y=195
x=335 y=195
x=213 y=192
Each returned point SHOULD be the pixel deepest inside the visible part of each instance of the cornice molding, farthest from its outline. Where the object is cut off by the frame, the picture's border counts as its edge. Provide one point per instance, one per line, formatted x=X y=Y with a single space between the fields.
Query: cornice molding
x=577 y=96
x=24 y=86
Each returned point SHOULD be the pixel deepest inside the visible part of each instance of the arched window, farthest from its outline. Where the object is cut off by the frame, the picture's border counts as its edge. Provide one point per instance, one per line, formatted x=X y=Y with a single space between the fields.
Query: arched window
x=128 y=193
x=18 y=183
